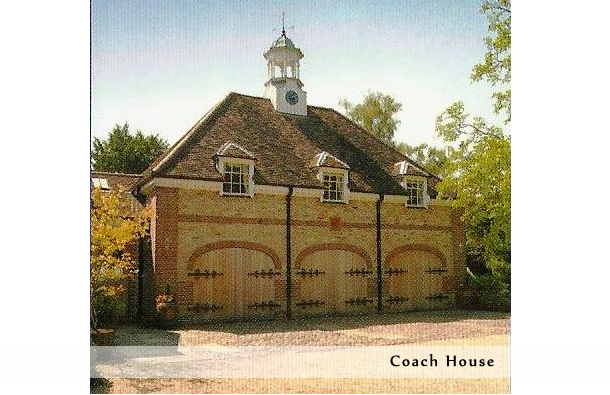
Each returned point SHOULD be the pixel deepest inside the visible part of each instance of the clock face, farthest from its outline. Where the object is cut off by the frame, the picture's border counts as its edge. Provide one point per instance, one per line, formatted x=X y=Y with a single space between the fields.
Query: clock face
x=292 y=97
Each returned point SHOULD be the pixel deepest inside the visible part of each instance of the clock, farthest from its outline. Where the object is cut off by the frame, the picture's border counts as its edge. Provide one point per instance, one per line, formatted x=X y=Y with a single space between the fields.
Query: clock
x=292 y=98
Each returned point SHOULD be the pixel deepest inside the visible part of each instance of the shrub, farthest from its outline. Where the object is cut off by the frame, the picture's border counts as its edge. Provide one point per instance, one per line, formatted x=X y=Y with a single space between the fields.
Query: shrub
x=109 y=309
x=491 y=292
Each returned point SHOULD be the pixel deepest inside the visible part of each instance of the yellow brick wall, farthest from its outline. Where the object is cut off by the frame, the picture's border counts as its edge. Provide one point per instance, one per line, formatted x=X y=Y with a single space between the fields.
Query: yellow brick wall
x=403 y=225
x=186 y=220
x=316 y=225
x=211 y=203
x=201 y=222
x=428 y=231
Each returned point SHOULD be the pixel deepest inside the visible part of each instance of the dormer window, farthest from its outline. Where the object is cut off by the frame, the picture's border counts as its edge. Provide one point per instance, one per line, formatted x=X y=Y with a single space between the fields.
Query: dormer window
x=416 y=189
x=236 y=179
x=333 y=173
x=334 y=187
x=415 y=183
x=237 y=167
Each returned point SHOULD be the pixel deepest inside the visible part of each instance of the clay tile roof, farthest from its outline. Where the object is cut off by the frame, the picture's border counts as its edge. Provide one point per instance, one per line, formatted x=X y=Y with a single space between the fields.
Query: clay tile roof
x=284 y=146
x=127 y=181
x=232 y=150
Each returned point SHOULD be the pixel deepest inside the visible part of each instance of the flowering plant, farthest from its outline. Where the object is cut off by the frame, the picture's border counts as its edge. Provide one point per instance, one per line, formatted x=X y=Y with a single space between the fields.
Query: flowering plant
x=164 y=298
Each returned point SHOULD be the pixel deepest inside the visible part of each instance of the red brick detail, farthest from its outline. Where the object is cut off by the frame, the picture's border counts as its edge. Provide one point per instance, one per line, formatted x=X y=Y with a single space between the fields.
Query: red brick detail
x=248 y=245
x=416 y=227
x=324 y=223
x=335 y=223
x=333 y=246
x=217 y=219
x=416 y=247
x=166 y=232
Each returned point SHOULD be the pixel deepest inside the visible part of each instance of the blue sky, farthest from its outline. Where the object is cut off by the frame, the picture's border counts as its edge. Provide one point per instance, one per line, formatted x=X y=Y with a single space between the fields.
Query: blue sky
x=160 y=65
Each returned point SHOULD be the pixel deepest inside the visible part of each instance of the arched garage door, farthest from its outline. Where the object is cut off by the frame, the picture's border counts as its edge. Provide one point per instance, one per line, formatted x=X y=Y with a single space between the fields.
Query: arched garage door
x=333 y=279
x=413 y=279
x=236 y=280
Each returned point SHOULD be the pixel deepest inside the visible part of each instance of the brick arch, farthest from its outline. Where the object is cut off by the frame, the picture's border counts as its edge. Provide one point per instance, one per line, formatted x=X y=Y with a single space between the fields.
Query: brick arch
x=333 y=246
x=416 y=247
x=248 y=245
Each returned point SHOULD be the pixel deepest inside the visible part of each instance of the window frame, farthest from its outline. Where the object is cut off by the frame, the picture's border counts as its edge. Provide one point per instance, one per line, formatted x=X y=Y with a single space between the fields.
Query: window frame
x=420 y=180
x=222 y=162
x=334 y=172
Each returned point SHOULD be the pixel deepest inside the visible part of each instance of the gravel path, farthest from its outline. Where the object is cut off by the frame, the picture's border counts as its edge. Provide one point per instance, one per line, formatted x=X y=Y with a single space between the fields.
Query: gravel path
x=308 y=386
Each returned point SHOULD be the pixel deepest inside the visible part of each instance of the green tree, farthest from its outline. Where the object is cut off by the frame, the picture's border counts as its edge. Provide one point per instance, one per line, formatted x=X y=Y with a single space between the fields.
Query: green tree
x=478 y=172
x=496 y=67
x=123 y=152
x=375 y=114
x=432 y=158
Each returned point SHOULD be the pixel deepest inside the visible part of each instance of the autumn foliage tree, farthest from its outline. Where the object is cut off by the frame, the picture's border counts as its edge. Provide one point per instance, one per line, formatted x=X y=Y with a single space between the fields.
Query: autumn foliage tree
x=115 y=226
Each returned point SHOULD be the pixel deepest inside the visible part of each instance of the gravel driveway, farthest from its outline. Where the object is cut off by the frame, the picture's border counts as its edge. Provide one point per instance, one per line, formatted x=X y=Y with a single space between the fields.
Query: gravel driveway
x=389 y=329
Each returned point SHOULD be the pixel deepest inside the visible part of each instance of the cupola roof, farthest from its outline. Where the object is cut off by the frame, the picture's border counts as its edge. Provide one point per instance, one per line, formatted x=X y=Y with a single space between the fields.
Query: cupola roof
x=283 y=41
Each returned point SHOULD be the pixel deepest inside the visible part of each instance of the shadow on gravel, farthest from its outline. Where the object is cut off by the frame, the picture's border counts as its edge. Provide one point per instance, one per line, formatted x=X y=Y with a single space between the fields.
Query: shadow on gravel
x=346 y=323
x=131 y=335
x=99 y=386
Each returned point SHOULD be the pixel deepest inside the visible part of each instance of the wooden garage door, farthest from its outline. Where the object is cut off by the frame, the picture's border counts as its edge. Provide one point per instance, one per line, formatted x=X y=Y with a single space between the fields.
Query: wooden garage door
x=333 y=282
x=236 y=283
x=413 y=281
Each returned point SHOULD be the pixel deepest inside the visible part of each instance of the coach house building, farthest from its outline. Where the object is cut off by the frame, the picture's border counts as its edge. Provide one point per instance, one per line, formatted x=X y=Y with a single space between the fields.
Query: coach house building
x=272 y=208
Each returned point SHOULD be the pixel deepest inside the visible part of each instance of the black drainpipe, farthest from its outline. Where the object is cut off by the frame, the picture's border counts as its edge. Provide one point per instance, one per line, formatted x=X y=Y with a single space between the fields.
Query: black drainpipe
x=379 y=278
x=140 y=307
x=142 y=244
x=288 y=258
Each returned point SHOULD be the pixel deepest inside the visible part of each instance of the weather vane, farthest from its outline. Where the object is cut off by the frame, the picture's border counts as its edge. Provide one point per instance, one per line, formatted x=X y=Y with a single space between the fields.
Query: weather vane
x=291 y=27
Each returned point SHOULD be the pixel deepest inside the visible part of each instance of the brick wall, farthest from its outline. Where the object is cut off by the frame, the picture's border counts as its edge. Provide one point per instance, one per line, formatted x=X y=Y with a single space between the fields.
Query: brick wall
x=188 y=220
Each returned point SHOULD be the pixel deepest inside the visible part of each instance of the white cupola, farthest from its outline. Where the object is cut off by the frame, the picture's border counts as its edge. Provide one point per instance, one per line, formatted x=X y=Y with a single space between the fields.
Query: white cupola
x=284 y=88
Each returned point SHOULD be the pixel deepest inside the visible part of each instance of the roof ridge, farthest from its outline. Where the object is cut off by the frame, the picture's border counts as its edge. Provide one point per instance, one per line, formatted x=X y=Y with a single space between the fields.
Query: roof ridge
x=266 y=98
x=243 y=94
x=113 y=173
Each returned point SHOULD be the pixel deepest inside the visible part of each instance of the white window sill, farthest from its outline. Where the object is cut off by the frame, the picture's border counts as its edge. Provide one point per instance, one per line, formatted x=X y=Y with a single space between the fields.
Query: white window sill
x=334 y=201
x=235 y=194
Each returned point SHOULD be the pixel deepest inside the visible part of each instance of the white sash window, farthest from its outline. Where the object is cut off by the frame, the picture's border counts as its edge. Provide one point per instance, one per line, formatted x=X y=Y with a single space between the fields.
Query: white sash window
x=334 y=187
x=416 y=190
